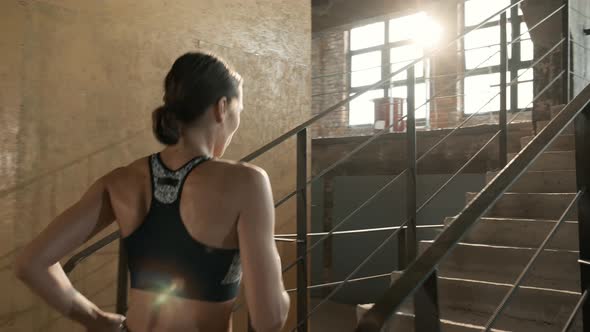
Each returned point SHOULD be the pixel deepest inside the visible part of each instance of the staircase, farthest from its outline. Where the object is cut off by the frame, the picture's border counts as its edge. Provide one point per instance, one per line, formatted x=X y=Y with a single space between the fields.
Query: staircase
x=478 y=273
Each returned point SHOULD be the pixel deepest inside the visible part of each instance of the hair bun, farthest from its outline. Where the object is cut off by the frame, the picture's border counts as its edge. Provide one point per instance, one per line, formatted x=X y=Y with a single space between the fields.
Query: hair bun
x=165 y=125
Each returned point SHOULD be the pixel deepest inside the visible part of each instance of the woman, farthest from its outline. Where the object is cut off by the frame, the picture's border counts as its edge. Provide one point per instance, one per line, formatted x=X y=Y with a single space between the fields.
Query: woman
x=190 y=222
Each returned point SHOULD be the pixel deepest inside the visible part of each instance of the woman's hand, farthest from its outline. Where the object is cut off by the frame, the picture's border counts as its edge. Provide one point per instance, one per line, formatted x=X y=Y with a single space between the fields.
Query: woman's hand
x=106 y=322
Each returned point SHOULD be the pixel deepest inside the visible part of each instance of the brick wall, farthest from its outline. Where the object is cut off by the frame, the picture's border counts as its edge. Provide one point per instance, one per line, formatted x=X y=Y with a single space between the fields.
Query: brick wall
x=330 y=84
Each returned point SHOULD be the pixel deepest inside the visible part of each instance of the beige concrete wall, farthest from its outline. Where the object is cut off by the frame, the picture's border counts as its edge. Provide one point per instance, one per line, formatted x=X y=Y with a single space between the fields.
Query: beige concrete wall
x=78 y=81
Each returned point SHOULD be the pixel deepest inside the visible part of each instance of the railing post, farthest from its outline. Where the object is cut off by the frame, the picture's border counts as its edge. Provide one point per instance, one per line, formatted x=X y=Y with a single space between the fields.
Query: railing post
x=565 y=52
x=426 y=298
x=122 y=280
x=582 y=133
x=302 y=230
x=503 y=138
x=411 y=243
x=512 y=65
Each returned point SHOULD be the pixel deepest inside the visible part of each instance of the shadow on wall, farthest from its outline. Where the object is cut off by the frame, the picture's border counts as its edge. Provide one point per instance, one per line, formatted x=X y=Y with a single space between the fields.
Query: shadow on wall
x=389 y=209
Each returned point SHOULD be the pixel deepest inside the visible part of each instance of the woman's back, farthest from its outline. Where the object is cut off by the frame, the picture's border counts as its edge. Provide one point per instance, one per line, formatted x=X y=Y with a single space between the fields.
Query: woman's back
x=209 y=207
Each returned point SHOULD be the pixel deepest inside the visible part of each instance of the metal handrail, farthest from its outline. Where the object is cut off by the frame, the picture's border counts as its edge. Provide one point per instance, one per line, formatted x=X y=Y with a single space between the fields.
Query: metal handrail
x=417 y=273
x=91 y=249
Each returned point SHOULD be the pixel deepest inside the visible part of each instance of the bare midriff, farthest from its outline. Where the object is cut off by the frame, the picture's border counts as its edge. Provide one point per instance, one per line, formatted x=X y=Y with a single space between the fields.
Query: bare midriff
x=149 y=311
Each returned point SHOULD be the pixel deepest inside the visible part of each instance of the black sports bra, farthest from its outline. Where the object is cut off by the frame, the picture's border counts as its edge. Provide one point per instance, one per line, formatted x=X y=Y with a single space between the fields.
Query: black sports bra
x=162 y=255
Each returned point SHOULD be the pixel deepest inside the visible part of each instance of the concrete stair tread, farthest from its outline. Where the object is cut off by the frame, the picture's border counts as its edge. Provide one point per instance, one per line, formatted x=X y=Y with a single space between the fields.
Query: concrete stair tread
x=552 y=161
x=404 y=321
x=561 y=143
x=569 y=129
x=548 y=206
x=553 y=269
x=557 y=181
x=509 y=232
x=473 y=302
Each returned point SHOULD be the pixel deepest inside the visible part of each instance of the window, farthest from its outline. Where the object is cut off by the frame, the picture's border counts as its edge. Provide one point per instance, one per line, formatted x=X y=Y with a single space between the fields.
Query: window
x=482 y=58
x=381 y=48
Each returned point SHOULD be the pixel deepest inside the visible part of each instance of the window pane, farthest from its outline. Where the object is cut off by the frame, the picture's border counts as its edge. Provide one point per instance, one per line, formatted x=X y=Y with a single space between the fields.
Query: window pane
x=482 y=57
x=525 y=75
x=365 y=68
x=478 y=10
x=483 y=37
x=527 y=51
x=362 y=109
x=406 y=27
x=418 y=70
x=422 y=94
x=479 y=90
x=526 y=44
x=367 y=36
x=403 y=56
x=525 y=95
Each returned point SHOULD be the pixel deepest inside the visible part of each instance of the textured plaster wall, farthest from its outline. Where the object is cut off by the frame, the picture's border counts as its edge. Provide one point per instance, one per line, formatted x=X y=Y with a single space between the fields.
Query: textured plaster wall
x=580 y=20
x=78 y=81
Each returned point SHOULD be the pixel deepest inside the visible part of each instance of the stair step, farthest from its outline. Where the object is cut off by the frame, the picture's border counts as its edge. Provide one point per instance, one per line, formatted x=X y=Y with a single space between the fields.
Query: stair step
x=552 y=161
x=405 y=322
x=549 y=112
x=561 y=143
x=569 y=129
x=563 y=181
x=553 y=269
x=547 y=206
x=509 y=232
x=531 y=309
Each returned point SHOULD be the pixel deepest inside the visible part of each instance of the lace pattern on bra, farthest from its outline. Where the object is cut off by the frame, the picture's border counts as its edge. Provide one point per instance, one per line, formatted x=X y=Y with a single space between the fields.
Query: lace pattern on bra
x=234 y=273
x=167 y=191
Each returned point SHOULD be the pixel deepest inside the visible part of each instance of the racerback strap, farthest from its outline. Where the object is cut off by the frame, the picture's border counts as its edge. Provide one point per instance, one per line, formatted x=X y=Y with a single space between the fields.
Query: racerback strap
x=167 y=183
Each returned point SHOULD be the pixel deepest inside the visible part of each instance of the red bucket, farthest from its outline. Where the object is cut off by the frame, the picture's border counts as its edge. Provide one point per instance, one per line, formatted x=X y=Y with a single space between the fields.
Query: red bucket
x=388 y=111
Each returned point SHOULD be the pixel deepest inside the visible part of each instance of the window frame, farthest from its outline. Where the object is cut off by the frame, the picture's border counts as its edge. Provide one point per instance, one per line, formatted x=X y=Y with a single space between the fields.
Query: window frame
x=515 y=62
x=385 y=50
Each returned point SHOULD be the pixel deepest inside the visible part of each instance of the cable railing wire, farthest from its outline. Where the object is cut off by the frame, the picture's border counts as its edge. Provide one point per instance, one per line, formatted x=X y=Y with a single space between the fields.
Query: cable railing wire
x=572 y=317
x=364 y=230
x=336 y=283
x=347 y=279
x=530 y=263
x=343 y=221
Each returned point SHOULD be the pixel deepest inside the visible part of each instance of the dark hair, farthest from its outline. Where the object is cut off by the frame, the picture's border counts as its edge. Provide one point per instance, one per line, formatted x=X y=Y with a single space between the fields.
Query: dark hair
x=194 y=83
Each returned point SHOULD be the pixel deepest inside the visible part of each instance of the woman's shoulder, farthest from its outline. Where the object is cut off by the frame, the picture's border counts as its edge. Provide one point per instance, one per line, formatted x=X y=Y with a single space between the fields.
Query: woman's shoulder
x=238 y=169
x=136 y=170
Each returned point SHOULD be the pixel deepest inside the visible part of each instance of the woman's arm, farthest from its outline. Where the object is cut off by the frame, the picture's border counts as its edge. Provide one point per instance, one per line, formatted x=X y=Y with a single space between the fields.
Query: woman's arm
x=39 y=268
x=268 y=302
